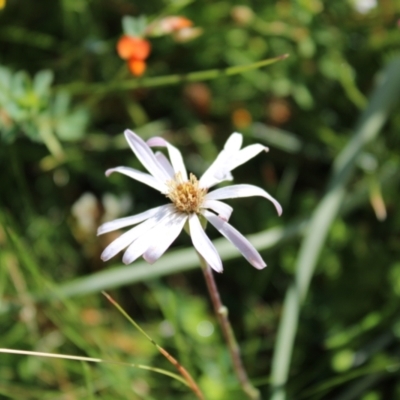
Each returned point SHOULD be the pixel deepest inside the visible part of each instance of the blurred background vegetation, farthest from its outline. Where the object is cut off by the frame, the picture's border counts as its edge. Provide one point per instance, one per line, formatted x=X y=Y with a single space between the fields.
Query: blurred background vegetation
x=327 y=112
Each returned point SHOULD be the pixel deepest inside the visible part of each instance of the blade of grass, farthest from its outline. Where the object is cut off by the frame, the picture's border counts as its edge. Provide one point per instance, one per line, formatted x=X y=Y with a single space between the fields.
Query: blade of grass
x=80 y=87
x=172 y=262
x=18 y=246
x=27 y=302
x=370 y=123
x=361 y=386
x=88 y=381
x=94 y=360
x=185 y=374
x=324 y=387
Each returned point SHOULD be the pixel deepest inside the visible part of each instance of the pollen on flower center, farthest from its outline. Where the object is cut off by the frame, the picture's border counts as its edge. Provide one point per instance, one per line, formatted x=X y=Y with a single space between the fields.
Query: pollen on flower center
x=186 y=195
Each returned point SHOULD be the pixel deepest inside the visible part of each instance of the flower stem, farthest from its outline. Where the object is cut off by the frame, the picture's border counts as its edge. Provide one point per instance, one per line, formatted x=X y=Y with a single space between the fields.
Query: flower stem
x=234 y=350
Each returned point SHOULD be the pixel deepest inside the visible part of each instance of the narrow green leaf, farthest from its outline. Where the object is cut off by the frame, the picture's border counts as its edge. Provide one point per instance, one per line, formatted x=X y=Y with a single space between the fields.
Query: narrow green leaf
x=372 y=119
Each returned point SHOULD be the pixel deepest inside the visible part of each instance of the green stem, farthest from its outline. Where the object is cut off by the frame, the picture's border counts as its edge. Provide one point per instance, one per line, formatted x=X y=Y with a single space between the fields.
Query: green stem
x=234 y=349
x=80 y=87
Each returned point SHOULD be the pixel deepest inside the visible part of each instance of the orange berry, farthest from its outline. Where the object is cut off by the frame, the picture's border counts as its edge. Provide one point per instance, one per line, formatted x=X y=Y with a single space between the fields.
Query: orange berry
x=137 y=67
x=133 y=47
x=124 y=47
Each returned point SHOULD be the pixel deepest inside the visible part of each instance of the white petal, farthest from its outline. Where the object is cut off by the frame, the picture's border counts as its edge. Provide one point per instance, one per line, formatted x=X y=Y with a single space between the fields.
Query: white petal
x=165 y=236
x=127 y=238
x=234 y=191
x=228 y=159
x=147 y=179
x=223 y=210
x=203 y=244
x=248 y=251
x=139 y=246
x=234 y=142
x=174 y=155
x=144 y=241
x=123 y=222
x=245 y=155
x=146 y=156
x=164 y=162
x=217 y=172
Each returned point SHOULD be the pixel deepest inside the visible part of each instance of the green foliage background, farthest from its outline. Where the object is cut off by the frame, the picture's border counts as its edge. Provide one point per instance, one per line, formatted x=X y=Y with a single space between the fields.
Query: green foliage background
x=322 y=321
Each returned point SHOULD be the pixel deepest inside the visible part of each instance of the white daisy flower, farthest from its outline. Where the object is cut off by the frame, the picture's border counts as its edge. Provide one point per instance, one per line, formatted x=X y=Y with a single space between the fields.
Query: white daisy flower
x=157 y=228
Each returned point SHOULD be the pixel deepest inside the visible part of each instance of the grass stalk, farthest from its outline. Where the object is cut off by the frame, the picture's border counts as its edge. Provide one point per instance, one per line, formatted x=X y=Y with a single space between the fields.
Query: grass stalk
x=190 y=382
x=370 y=123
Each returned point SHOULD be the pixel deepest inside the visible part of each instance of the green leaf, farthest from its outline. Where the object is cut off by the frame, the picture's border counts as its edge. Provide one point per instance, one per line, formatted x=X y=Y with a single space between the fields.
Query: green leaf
x=20 y=84
x=72 y=127
x=5 y=79
x=61 y=104
x=132 y=26
x=42 y=82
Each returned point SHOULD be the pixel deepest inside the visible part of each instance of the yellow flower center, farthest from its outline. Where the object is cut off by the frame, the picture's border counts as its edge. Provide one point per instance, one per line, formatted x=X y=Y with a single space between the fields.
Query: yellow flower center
x=186 y=196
